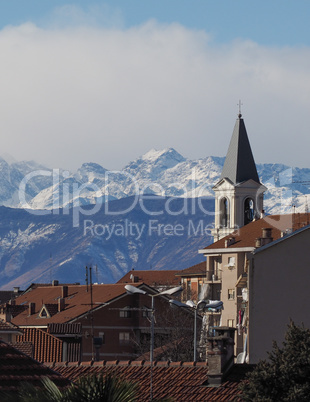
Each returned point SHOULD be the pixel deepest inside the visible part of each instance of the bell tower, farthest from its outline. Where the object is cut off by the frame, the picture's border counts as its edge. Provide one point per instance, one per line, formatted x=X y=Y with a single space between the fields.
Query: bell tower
x=239 y=193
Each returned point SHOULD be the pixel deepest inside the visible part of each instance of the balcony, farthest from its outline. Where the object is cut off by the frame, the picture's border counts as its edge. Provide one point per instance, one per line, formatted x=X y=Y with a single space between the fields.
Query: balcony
x=214 y=279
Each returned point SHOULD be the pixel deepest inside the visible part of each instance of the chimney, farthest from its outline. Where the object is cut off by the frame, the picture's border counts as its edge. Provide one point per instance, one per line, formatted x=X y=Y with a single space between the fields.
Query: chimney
x=5 y=313
x=55 y=282
x=61 y=304
x=267 y=236
x=134 y=278
x=265 y=239
x=220 y=354
x=229 y=242
x=32 y=308
x=258 y=242
x=267 y=233
x=16 y=289
x=64 y=291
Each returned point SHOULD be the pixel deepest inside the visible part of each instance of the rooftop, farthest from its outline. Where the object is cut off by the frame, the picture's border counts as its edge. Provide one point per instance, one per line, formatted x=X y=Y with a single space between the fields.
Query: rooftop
x=8 y=327
x=76 y=303
x=180 y=381
x=16 y=367
x=152 y=278
x=46 y=347
x=246 y=236
x=198 y=269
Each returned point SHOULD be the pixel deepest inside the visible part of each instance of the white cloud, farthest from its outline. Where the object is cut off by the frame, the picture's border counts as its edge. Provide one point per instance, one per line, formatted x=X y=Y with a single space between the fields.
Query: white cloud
x=80 y=93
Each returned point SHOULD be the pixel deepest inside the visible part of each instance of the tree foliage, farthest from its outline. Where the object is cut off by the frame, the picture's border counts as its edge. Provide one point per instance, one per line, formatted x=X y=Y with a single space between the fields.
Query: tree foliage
x=87 y=389
x=98 y=389
x=176 y=343
x=285 y=376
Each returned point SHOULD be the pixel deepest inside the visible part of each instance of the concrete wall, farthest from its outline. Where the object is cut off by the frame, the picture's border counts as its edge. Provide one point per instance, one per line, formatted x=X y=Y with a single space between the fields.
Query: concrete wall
x=279 y=289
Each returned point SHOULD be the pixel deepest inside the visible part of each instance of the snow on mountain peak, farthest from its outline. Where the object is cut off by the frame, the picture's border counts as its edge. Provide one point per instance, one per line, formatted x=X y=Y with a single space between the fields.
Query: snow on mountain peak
x=92 y=167
x=168 y=153
x=162 y=172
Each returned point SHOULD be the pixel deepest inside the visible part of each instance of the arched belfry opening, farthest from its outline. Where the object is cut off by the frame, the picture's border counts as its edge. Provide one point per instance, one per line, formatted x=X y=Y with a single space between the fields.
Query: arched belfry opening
x=224 y=211
x=249 y=210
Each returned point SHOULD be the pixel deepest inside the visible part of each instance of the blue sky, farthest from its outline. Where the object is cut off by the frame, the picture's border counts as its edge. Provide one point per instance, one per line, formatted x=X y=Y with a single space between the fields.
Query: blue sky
x=107 y=81
x=275 y=22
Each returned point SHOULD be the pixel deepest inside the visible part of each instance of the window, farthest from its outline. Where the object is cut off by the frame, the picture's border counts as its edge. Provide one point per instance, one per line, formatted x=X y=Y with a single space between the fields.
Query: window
x=230 y=323
x=102 y=336
x=248 y=211
x=124 y=337
x=43 y=313
x=224 y=213
x=231 y=294
x=146 y=312
x=125 y=313
x=231 y=261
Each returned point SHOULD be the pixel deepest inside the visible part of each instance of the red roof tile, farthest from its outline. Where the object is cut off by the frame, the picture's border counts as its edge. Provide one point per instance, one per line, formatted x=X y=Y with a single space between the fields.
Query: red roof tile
x=178 y=381
x=6 y=295
x=9 y=327
x=24 y=347
x=16 y=367
x=246 y=236
x=197 y=270
x=46 y=347
x=76 y=304
x=64 y=329
x=152 y=278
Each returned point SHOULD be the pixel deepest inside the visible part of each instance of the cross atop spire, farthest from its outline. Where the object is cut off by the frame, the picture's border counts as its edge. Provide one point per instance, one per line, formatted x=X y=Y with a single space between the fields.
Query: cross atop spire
x=239 y=105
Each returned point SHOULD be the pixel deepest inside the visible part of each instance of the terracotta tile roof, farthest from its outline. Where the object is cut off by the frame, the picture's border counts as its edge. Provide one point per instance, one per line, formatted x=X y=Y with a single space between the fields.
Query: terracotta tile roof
x=9 y=327
x=16 y=367
x=76 y=304
x=198 y=269
x=152 y=278
x=179 y=381
x=64 y=329
x=6 y=295
x=46 y=347
x=15 y=310
x=24 y=347
x=158 y=353
x=247 y=235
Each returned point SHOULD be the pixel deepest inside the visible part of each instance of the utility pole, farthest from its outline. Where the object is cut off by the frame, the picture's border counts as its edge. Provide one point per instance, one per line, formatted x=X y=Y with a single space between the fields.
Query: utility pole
x=91 y=315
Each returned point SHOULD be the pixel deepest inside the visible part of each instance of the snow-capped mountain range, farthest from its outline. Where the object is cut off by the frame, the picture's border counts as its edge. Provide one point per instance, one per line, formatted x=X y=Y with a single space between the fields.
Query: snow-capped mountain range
x=40 y=248
x=164 y=173
x=53 y=223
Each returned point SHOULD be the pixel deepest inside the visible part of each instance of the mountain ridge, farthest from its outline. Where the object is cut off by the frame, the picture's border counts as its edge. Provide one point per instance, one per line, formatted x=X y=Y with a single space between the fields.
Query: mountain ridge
x=160 y=172
x=47 y=242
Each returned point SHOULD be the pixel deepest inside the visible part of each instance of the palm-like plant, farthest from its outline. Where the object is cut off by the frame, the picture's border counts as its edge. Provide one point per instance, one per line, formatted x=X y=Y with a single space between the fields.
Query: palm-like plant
x=87 y=389
x=98 y=389
x=48 y=392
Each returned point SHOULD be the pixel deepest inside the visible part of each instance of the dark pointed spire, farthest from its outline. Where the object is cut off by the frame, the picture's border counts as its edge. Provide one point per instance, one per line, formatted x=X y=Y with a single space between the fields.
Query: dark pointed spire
x=239 y=164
